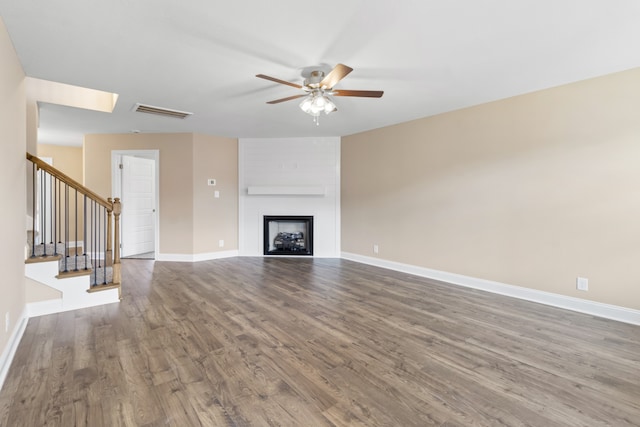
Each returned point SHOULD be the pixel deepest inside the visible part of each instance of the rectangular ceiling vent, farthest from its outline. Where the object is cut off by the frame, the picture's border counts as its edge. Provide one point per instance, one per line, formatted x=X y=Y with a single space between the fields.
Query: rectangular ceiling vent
x=150 y=109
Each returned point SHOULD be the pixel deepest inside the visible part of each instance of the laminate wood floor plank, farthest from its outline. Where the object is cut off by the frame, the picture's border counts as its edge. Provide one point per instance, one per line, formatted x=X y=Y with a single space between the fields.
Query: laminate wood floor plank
x=318 y=342
x=144 y=398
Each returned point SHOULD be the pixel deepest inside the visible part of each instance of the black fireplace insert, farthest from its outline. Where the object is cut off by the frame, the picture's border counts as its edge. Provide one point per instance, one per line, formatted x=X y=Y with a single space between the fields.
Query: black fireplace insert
x=288 y=235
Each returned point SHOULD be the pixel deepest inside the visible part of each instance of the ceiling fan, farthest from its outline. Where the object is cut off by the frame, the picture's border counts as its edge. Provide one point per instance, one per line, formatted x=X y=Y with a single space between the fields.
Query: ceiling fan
x=317 y=89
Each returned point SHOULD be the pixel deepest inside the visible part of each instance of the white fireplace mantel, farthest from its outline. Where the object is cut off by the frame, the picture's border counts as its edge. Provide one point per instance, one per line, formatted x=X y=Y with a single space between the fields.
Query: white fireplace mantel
x=286 y=191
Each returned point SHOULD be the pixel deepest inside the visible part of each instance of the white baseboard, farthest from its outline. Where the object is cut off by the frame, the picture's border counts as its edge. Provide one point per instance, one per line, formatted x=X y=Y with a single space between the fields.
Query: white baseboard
x=12 y=345
x=42 y=308
x=608 y=311
x=73 y=301
x=196 y=257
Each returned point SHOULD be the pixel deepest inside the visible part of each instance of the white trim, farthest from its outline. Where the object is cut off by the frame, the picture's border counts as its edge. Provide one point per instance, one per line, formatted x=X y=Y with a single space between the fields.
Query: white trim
x=54 y=306
x=214 y=255
x=12 y=345
x=72 y=300
x=196 y=257
x=43 y=308
x=607 y=311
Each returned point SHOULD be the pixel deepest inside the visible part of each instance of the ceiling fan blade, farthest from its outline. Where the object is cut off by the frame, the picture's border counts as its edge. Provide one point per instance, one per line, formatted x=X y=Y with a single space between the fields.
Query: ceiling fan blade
x=273 y=79
x=363 y=93
x=288 y=98
x=338 y=73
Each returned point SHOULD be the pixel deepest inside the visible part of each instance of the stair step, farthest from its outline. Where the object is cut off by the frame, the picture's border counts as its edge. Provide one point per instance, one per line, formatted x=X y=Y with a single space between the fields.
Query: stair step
x=36 y=259
x=98 y=288
x=67 y=274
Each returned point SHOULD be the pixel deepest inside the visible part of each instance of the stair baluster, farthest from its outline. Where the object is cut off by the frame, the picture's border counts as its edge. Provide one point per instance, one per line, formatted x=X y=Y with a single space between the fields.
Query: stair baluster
x=34 y=172
x=84 y=234
x=117 y=209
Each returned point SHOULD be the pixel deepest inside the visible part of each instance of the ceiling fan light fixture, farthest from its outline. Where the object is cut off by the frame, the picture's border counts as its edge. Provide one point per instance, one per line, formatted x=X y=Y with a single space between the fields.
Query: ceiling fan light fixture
x=329 y=106
x=316 y=103
x=305 y=105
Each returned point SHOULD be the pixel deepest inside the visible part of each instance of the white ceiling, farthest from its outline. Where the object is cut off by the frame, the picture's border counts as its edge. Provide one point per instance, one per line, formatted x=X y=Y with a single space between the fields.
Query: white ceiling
x=202 y=56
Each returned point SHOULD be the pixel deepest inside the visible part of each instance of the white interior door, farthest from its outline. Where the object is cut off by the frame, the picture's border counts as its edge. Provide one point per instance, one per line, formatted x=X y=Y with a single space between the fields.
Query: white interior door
x=138 y=206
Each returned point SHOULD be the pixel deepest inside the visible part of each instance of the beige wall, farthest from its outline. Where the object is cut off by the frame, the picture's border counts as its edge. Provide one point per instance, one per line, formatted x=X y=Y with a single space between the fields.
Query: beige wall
x=183 y=158
x=12 y=186
x=66 y=159
x=531 y=191
x=215 y=219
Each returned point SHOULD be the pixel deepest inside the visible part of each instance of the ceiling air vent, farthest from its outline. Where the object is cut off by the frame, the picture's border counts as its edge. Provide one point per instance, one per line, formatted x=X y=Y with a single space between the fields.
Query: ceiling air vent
x=150 y=109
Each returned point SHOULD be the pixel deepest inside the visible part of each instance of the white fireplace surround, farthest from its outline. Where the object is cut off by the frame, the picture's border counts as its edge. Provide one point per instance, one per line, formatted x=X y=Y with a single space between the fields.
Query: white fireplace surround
x=289 y=176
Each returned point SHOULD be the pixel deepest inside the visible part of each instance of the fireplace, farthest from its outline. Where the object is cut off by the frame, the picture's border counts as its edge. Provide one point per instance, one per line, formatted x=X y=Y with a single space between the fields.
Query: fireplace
x=288 y=235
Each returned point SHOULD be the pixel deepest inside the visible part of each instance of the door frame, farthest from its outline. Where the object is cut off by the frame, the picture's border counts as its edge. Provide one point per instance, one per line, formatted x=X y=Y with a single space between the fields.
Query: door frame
x=116 y=184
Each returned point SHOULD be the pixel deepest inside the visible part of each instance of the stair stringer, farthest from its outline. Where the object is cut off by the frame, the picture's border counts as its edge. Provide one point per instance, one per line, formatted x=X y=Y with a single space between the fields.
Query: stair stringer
x=74 y=289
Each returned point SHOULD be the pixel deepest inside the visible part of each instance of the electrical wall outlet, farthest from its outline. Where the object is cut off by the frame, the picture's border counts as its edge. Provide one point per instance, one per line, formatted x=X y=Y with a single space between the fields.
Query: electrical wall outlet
x=221 y=243
x=216 y=194
x=375 y=249
x=582 y=284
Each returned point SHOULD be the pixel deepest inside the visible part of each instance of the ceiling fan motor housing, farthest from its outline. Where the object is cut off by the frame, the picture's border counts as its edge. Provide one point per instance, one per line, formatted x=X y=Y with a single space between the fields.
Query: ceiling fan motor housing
x=314 y=79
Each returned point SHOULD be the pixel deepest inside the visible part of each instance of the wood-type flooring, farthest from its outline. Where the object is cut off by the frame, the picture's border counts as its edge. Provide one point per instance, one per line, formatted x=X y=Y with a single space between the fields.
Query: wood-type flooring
x=318 y=342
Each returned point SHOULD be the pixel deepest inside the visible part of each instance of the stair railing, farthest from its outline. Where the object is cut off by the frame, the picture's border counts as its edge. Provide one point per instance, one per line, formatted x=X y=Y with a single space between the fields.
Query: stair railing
x=66 y=213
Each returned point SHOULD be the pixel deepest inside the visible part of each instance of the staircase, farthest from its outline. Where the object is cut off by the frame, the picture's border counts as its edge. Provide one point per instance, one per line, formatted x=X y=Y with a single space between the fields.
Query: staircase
x=84 y=262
